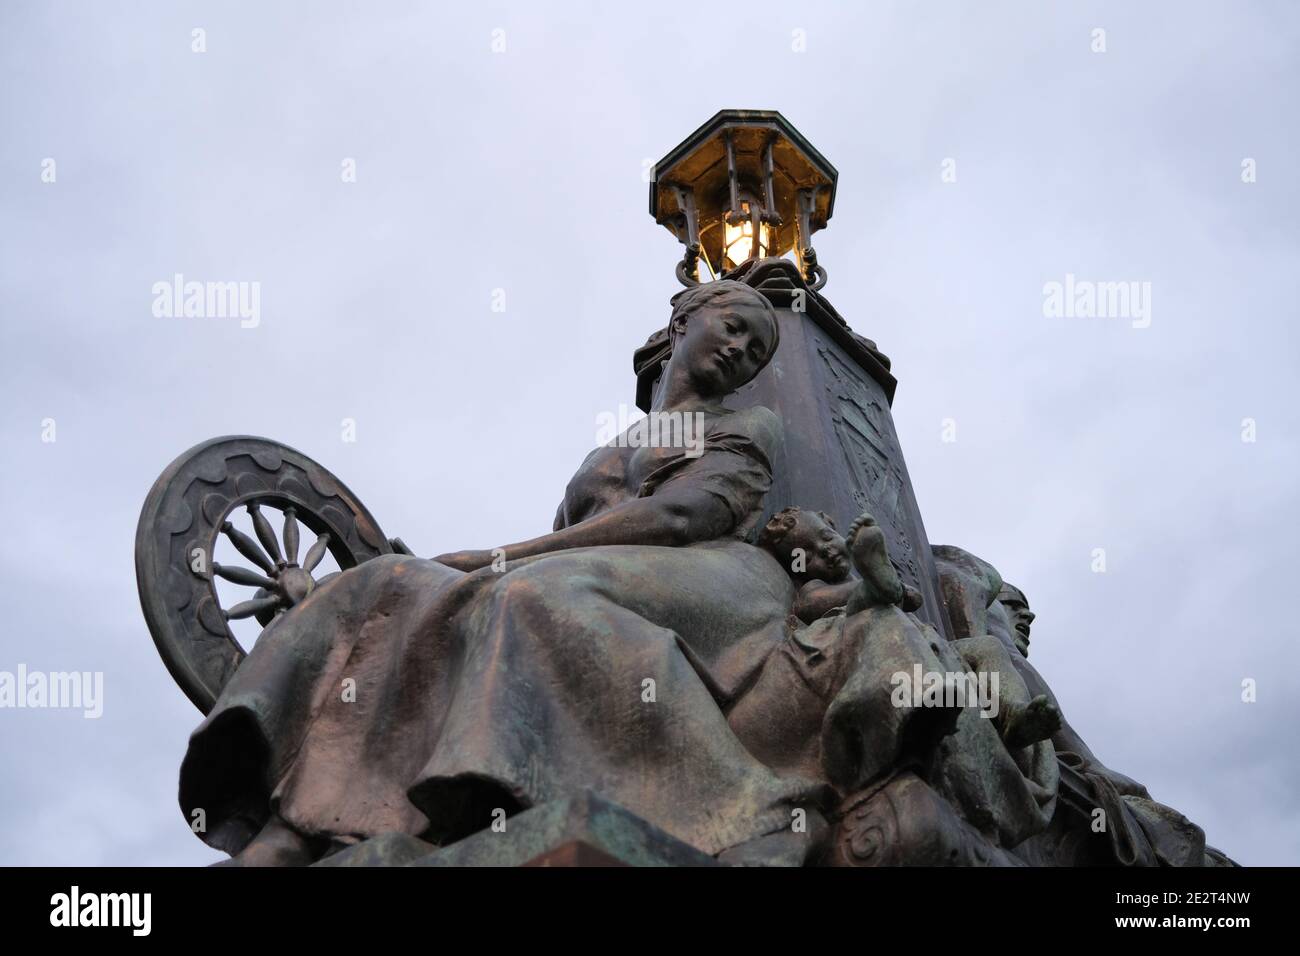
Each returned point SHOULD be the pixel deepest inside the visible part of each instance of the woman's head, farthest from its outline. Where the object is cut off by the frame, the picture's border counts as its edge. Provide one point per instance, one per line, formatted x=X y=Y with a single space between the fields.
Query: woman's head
x=721 y=335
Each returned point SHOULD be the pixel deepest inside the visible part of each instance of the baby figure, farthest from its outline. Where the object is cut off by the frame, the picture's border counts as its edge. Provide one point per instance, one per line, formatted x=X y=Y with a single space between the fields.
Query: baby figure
x=818 y=560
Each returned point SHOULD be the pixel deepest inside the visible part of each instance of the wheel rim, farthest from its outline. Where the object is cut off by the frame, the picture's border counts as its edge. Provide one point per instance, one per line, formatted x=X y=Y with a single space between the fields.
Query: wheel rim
x=190 y=507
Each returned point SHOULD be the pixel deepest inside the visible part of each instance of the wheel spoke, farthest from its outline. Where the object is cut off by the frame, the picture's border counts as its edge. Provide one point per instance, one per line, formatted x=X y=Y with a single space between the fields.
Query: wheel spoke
x=265 y=533
x=243 y=576
x=247 y=547
x=290 y=536
x=249 y=608
x=316 y=552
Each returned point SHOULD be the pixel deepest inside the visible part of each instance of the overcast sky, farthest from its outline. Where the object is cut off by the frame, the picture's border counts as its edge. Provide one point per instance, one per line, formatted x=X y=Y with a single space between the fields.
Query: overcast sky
x=521 y=170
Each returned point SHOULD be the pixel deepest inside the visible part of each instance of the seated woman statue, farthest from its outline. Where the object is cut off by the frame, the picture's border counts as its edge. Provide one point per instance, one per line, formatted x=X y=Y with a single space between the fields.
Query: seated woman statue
x=421 y=696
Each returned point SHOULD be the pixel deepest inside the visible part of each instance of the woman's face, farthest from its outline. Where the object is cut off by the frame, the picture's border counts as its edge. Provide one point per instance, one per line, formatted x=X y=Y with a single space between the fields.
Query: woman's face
x=724 y=344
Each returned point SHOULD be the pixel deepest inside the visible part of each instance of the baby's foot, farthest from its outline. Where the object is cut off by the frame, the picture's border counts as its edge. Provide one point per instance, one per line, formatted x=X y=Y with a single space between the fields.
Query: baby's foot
x=871 y=557
x=1025 y=725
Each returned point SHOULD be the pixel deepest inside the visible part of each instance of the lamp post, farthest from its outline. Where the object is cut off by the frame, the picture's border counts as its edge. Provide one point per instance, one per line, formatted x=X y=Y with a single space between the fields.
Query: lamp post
x=742 y=193
x=746 y=185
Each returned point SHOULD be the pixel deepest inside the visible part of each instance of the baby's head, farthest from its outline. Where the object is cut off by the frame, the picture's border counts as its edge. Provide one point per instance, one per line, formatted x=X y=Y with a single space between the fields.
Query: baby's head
x=807 y=545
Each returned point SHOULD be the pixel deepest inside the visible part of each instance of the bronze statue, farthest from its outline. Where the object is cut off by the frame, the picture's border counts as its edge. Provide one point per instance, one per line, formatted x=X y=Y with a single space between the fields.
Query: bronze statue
x=743 y=681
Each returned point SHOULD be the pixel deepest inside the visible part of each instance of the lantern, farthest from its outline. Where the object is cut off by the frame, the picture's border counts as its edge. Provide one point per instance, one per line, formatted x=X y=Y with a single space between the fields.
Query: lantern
x=745 y=185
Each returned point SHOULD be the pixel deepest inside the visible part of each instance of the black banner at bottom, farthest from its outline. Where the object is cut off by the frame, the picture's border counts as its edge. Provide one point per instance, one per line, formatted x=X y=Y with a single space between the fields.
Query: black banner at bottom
x=220 y=905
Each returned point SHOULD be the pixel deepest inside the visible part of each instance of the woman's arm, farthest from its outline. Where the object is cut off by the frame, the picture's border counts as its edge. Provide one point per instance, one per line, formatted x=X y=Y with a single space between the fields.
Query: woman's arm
x=671 y=516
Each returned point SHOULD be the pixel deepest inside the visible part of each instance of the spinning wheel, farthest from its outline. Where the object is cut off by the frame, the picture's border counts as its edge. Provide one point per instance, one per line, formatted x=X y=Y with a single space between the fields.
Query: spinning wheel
x=191 y=505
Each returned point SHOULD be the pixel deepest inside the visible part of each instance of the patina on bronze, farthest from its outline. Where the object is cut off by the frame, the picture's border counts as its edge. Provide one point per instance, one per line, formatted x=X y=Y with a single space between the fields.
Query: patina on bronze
x=693 y=667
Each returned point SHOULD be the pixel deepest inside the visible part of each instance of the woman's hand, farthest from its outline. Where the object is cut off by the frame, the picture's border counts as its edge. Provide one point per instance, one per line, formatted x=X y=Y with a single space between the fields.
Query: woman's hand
x=466 y=560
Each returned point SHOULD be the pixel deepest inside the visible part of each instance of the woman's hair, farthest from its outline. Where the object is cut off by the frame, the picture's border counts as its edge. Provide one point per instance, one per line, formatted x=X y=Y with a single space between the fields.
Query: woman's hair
x=651 y=357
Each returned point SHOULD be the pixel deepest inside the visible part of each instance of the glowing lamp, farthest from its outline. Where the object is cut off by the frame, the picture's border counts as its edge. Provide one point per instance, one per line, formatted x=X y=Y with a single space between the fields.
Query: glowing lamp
x=746 y=185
